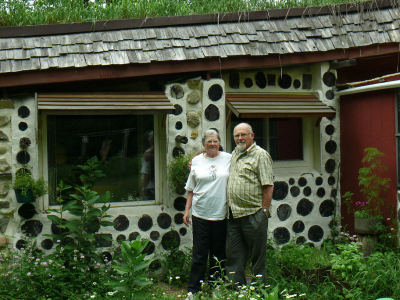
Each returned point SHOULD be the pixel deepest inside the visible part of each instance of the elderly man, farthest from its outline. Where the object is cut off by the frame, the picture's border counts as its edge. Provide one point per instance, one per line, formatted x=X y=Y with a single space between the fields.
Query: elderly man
x=249 y=196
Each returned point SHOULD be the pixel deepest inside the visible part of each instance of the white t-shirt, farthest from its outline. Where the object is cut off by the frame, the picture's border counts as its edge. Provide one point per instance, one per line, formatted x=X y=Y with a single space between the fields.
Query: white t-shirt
x=208 y=180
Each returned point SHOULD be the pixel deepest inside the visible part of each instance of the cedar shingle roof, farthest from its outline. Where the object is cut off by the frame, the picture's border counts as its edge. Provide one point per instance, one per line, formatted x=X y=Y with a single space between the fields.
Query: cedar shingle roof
x=191 y=42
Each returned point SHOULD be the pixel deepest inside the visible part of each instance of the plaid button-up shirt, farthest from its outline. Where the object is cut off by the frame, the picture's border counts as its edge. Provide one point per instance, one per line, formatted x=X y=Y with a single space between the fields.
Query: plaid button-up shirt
x=249 y=172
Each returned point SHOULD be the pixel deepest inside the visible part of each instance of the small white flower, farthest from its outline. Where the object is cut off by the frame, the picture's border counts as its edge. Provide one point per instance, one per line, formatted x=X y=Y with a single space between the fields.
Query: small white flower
x=82 y=256
x=29 y=274
x=58 y=241
x=258 y=275
x=93 y=296
x=177 y=277
x=240 y=296
x=94 y=283
x=121 y=280
x=252 y=288
x=391 y=228
x=189 y=294
x=302 y=295
x=388 y=219
x=233 y=272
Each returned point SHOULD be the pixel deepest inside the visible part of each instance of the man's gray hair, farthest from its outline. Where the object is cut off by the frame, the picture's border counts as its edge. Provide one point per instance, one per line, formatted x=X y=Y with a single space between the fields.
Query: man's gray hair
x=248 y=125
x=208 y=133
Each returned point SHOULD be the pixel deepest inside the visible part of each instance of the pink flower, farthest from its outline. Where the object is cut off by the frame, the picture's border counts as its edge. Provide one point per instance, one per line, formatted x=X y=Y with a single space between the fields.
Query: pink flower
x=358 y=203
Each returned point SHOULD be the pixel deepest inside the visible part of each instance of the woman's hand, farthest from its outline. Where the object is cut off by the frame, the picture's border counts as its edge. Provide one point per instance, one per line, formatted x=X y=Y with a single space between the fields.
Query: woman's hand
x=186 y=217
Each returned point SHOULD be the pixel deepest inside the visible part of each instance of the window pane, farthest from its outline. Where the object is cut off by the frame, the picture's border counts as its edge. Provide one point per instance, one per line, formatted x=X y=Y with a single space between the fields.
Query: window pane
x=285 y=138
x=259 y=129
x=124 y=145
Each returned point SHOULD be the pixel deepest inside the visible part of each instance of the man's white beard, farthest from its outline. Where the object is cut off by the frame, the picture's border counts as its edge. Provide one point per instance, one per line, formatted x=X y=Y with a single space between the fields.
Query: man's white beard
x=241 y=146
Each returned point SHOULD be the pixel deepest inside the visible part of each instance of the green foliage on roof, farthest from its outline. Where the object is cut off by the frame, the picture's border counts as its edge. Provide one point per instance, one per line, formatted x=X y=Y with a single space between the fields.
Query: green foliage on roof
x=36 y=12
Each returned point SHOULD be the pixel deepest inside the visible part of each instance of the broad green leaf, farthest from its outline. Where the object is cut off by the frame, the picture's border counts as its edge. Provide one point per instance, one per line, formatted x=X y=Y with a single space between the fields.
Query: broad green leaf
x=106 y=223
x=54 y=219
x=122 y=269
x=95 y=213
x=68 y=205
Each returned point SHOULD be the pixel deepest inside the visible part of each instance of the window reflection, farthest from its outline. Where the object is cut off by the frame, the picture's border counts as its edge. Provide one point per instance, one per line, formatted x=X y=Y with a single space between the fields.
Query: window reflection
x=124 y=145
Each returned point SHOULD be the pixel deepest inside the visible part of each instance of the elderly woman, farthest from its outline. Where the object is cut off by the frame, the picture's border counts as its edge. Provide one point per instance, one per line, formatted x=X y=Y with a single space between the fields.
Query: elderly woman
x=206 y=197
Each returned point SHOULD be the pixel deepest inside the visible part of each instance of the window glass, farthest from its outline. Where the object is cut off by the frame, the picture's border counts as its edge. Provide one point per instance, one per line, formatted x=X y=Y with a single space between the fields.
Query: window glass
x=285 y=139
x=281 y=137
x=124 y=145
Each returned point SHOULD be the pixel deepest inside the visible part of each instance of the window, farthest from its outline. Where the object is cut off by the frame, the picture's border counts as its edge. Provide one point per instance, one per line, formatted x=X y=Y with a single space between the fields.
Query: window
x=124 y=145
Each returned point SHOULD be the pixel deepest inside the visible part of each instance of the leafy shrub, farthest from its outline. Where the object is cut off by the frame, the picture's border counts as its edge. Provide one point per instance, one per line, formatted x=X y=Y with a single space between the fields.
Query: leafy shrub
x=178 y=172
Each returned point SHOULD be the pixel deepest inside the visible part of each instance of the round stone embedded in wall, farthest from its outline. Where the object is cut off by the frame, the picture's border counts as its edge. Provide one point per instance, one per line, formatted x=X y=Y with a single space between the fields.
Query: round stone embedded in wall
x=292 y=181
x=330 y=147
x=321 y=192
x=281 y=235
x=177 y=91
x=178 y=125
x=281 y=190
x=155 y=265
x=331 y=180
x=178 y=218
x=329 y=79
x=300 y=240
x=192 y=118
x=261 y=80
x=121 y=238
x=326 y=208
x=171 y=240
x=164 y=220
x=294 y=191
x=304 y=207
x=133 y=235
x=183 y=231
x=334 y=193
x=180 y=203
x=248 y=82
x=181 y=139
x=298 y=226
x=145 y=223
x=27 y=210
x=330 y=166
x=302 y=181
x=234 y=80
x=22 y=126
x=329 y=129
x=215 y=92
x=47 y=244
x=178 y=110
x=329 y=95
x=315 y=233
x=193 y=97
x=121 y=223
x=211 y=113
x=154 y=235
x=319 y=181
x=57 y=230
x=23 y=112
x=106 y=256
x=284 y=212
x=21 y=244
x=194 y=134
x=177 y=151
x=149 y=249
x=307 y=191
x=24 y=142
x=32 y=228
x=23 y=157
x=285 y=81
x=3 y=149
x=296 y=83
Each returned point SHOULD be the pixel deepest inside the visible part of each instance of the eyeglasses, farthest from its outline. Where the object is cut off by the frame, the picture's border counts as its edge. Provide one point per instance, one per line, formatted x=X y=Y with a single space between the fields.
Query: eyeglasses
x=243 y=135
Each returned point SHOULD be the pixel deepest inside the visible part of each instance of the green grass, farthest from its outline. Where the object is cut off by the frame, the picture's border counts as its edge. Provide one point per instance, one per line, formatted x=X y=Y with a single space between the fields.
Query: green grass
x=23 y=13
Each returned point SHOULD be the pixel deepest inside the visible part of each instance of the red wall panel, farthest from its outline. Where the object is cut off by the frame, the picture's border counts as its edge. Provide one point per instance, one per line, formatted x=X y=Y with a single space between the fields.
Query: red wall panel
x=367 y=120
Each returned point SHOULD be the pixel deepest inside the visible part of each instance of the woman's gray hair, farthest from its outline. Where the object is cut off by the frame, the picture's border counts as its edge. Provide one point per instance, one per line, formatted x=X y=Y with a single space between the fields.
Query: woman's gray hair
x=208 y=133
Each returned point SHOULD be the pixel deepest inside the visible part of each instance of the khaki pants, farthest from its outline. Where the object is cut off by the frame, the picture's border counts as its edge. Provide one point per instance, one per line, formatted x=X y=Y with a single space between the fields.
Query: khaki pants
x=246 y=237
